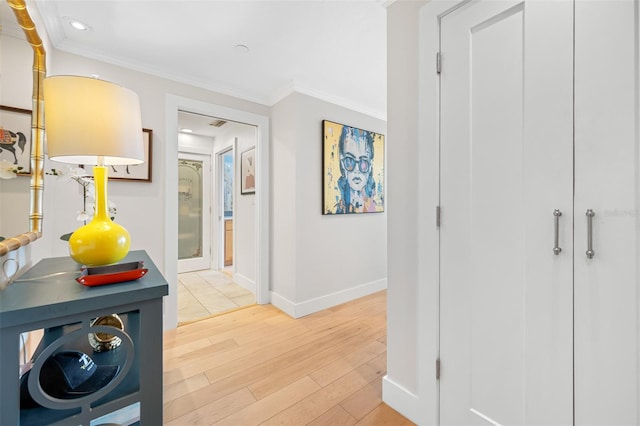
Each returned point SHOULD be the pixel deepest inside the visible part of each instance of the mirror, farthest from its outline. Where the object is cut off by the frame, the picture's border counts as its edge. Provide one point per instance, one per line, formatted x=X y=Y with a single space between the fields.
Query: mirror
x=34 y=230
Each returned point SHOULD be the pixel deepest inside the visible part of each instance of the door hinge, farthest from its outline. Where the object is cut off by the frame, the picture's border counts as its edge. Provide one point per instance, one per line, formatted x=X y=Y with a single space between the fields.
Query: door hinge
x=438 y=369
x=438 y=62
x=438 y=216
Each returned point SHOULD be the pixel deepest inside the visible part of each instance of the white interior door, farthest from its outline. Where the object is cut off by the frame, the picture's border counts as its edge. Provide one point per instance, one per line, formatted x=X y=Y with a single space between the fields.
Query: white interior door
x=607 y=287
x=506 y=164
x=194 y=212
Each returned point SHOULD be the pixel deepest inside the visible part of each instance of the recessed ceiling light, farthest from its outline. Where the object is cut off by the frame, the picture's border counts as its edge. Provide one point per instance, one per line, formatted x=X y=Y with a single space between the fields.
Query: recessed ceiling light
x=80 y=26
x=184 y=130
x=242 y=48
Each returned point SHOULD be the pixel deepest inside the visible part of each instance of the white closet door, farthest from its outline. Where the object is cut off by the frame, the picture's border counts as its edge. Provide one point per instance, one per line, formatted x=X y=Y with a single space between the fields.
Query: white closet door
x=506 y=165
x=607 y=287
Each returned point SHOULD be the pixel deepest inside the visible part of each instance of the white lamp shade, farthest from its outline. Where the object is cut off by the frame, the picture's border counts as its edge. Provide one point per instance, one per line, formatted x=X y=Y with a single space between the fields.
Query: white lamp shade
x=91 y=121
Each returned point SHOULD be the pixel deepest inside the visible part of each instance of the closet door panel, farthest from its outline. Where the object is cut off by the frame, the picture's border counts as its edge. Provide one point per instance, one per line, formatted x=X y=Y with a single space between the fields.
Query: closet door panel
x=607 y=180
x=506 y=153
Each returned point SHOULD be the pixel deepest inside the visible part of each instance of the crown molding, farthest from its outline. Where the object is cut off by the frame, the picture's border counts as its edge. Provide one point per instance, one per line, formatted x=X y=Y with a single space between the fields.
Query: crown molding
x=48 y=12
x=327 y=97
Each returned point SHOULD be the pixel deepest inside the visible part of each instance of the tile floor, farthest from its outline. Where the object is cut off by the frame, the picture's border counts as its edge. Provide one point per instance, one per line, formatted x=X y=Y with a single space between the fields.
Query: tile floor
x=202 y=294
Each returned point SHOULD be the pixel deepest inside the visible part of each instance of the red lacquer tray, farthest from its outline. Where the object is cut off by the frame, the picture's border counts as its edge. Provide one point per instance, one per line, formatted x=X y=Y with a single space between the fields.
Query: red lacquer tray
x=100 y=275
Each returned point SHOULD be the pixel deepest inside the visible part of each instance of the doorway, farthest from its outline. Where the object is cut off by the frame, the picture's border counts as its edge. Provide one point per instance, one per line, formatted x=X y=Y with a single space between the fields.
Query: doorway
x=216 y=248
x=226 y=172
x=260 y=202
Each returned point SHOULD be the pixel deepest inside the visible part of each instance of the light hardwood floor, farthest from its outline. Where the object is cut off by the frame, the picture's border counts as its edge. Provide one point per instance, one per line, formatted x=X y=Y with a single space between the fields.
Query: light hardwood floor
x=258 y=366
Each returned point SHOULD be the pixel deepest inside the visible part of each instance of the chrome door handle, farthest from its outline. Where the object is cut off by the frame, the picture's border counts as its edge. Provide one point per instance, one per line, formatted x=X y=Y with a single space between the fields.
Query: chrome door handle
x=556 y=245
x=590 y=214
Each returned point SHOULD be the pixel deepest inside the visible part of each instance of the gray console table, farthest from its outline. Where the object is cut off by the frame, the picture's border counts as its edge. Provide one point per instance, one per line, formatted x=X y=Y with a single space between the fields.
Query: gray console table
x=48 y=297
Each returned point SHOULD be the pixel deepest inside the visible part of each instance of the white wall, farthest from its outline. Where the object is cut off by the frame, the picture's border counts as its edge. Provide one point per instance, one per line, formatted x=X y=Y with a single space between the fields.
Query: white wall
x=410 y=257
x=283 y=203
x=197 y=144
x=319 y=261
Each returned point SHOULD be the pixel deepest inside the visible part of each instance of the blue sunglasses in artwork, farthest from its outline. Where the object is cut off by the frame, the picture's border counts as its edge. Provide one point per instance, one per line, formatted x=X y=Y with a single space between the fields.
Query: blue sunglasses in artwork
x=349 y=163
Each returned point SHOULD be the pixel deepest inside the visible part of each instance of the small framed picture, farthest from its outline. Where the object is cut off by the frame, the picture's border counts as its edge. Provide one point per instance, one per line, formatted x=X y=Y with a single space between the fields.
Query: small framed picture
x=248 y=171
x=15 y=138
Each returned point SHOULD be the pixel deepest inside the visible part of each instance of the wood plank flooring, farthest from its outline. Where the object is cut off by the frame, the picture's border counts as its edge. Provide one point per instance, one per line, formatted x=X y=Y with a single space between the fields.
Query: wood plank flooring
x=258 y=366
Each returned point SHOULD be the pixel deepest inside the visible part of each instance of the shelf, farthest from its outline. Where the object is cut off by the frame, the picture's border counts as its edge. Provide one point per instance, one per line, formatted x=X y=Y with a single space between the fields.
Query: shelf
x=121 y=395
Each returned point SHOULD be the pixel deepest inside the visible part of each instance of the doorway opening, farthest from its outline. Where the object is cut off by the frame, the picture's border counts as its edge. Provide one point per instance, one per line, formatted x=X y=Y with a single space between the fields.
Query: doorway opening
x=216 y=228
x=225 y=180
x=259 y=202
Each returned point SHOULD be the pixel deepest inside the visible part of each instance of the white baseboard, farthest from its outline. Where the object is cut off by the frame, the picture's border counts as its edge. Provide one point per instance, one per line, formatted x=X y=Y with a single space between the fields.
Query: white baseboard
x=245 y=282
x=402 y=400
x=284 y=304
x=297 y=310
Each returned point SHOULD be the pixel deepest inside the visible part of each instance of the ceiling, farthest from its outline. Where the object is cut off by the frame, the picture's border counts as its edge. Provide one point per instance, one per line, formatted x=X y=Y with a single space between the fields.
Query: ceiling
x=331 y=49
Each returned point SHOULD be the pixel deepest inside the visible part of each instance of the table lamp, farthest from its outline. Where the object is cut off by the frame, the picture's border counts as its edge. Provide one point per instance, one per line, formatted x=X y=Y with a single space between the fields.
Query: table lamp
x=94 y=122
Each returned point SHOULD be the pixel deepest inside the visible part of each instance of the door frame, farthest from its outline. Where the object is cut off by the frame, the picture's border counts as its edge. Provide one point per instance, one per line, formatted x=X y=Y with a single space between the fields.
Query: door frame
x=220 y=237
x=173 y=104
x=203 y=262
x=415 y=128
x=427 y=407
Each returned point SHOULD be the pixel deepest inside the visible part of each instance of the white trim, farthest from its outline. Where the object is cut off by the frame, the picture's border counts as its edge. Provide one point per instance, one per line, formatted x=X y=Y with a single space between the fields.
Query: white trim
x=297 y=310
x=268 y=99
x=219 y=235
x=173 y=103
x=290 y=88
x=48 y=13
x=186 y=149
x=281 y=93
x=402 y=400
x=284 y=304
x=245 y=282
x=70 y=46
x=428 y=313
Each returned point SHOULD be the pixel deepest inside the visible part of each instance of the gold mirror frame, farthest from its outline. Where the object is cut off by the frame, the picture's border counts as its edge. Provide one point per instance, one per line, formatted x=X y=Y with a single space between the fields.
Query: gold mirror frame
x=19 y=8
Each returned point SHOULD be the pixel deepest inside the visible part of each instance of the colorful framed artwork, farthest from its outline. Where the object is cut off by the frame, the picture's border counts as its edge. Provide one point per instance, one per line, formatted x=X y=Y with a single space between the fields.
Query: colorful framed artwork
x=248 y=171
x=138 y=172
x=353 y=170
x=15 y=138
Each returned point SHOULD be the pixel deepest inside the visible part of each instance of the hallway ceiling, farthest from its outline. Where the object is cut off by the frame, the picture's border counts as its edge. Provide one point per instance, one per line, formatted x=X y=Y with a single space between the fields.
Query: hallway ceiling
x=331 y=49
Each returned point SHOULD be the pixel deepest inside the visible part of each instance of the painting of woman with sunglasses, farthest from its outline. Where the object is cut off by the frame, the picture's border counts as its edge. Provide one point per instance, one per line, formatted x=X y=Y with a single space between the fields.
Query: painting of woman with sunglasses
x=356 y=190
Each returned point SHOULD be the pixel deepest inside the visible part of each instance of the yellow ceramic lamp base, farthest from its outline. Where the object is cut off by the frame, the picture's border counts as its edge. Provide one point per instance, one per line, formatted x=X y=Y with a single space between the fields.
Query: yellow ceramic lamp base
x=101 y=241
